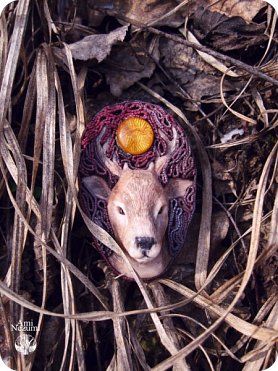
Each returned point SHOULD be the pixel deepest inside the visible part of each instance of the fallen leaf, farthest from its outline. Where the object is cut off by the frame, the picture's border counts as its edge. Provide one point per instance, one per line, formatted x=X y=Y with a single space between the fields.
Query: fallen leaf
x=142 y=12
x=178 y=56
x=244 y=8
x=128 y=64
x=226 y=33
x=196 y=76
x=247 y=9
x=97 y=46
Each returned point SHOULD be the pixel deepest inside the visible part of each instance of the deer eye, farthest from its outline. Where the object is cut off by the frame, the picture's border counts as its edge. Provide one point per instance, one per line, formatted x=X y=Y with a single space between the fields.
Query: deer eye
x=121 y=211
x=160 y=211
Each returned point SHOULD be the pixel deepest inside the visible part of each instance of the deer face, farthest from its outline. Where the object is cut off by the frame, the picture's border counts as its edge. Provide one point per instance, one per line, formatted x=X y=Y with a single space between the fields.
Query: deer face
x=138 y=210
x=138 y=207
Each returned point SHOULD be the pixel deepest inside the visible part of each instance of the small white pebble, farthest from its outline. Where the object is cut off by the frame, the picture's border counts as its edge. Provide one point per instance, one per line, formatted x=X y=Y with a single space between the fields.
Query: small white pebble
x=229 y=136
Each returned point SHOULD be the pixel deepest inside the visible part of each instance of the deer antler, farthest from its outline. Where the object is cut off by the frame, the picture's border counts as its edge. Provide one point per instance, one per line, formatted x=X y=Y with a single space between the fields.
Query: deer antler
x=161 y=161
x=111 y=165
x=157 y=165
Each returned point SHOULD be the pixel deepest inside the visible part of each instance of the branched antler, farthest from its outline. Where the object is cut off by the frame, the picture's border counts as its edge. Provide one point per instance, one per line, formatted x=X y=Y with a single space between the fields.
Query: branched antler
x=160 y=162
x=110 y=164
x=157 y=165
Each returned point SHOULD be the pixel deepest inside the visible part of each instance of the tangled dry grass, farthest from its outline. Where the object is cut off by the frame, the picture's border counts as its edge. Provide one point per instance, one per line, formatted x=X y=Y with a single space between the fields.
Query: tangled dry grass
x=216 y=308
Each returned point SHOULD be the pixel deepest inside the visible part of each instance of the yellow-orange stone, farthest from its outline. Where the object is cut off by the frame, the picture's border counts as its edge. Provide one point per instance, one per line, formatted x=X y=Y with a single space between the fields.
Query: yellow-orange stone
x=135 y=135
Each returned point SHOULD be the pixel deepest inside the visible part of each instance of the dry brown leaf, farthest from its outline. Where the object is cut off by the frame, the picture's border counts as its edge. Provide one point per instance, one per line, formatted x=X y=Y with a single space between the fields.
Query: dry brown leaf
x=129 y=64
x=150 y=10
x=247 y=9
x=97 y=46
x=226 y=33
x=244 y=8
x=142 y=12
x=197 y=77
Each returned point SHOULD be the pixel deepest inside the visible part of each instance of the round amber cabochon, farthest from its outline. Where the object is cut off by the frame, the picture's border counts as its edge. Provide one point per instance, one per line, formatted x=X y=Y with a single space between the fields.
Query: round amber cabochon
x=135 y=135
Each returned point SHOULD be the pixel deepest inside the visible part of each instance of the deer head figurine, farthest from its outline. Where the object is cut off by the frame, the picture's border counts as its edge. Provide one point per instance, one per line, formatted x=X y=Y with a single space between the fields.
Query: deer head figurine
x=139 y=206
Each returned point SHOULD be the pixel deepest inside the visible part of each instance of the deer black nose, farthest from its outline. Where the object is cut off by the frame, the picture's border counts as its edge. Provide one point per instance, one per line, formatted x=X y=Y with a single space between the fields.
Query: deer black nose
x=144 y=243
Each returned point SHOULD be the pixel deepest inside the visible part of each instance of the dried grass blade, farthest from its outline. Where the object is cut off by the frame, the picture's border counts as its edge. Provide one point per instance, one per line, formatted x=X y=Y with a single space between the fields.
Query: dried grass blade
x=12 y=169
x=41 y=111
x=260 y=333
x=46 y=203
x=27 y=111
x=79 y=348
x=46 y=200
x=66 y=282
x=50 y=23
x=161 y=300
x=66 y=143
x=71 y=327
x=68 y=162
x=48 y=142
x=203 y=350
x=258 y=211
x=80 y=112
x=19 y=231
x=234 y=112
x=11 y=63
x=259 y=318
x=93 y=316
x=3 y=44
x=260 y=103
x=199 y=324
x=247 y=140
x=259 y=355
x=273 y=235
x=138 y=351
x=6 y=327
x=66 y=149
x=69 y=308
x=122 y=356
x=76 y=272
x=265 y=334
x=168 y=14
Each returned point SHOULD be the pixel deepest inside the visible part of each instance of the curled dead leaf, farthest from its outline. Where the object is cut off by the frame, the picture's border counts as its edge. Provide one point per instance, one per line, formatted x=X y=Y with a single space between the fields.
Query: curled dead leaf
x=97 y=46
x=226 y=33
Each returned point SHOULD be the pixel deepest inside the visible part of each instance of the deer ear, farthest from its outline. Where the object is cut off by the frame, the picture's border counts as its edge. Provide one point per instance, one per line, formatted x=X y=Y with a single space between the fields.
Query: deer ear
x=97 y=187
x=177 y=187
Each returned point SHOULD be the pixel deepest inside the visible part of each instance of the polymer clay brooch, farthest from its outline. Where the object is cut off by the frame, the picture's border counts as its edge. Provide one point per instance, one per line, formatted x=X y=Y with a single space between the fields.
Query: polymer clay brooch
x=138 y=181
